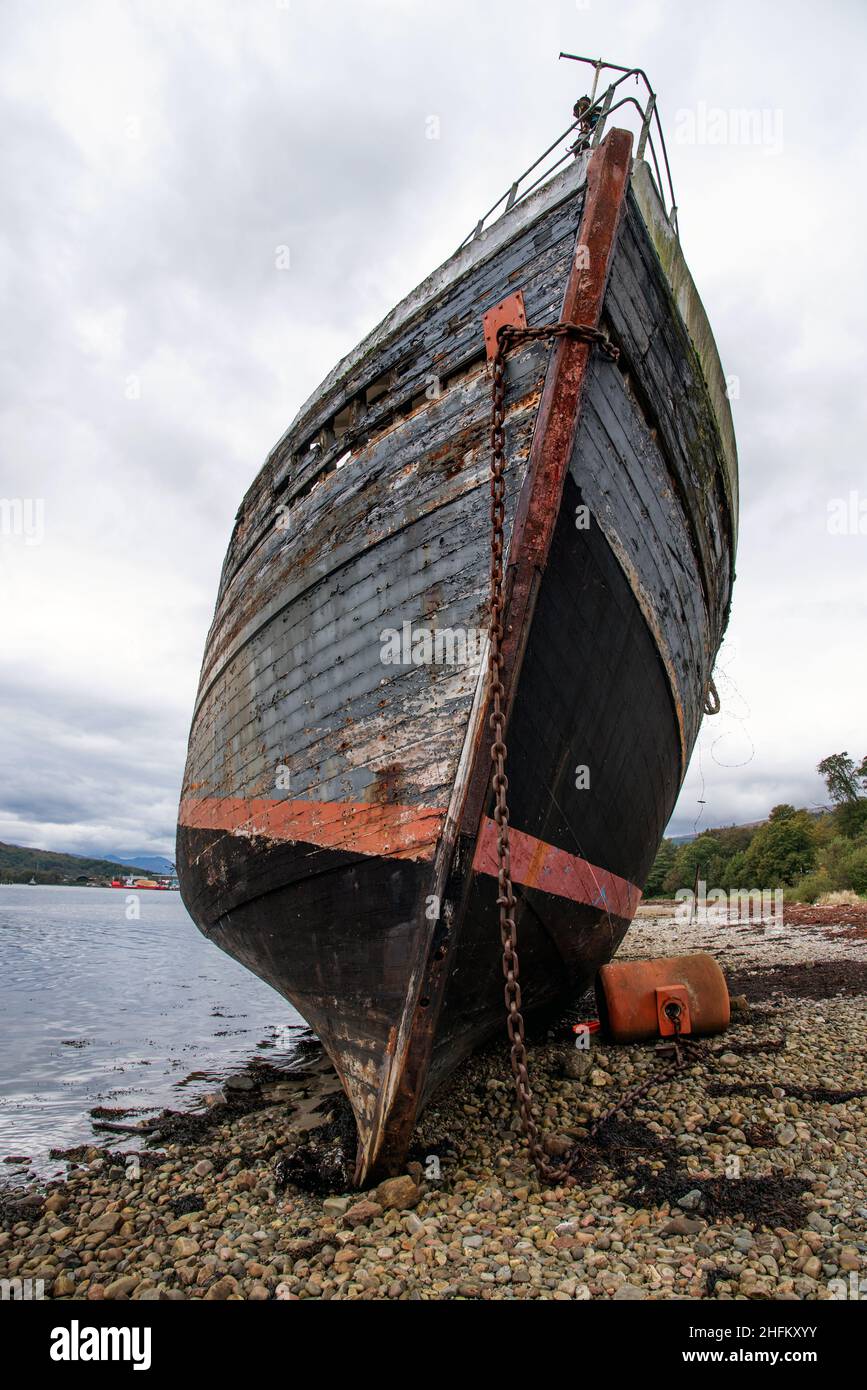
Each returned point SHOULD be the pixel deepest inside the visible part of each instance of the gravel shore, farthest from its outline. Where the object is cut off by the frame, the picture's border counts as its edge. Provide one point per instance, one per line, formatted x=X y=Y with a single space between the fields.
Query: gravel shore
x=743 y=1176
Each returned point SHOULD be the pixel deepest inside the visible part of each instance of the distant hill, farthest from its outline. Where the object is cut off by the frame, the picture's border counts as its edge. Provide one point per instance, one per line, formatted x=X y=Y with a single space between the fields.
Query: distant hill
x=711 y=829
x=813 y=811
x=20 y=863
x=154 y=863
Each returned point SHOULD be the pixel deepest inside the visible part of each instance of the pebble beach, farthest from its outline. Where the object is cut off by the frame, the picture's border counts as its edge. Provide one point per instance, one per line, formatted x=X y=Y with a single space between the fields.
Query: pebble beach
x=742 y=1176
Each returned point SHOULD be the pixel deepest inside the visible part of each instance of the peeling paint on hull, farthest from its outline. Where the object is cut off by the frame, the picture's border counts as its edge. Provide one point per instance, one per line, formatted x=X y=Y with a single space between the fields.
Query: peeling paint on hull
x=334 y=830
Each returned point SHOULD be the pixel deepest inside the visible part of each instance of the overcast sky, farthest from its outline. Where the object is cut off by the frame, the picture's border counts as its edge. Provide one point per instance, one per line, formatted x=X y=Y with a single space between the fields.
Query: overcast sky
x=155 y=155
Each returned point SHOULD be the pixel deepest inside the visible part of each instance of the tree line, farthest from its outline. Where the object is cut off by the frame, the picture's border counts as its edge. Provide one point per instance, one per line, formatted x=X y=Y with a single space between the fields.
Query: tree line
x=806 y=853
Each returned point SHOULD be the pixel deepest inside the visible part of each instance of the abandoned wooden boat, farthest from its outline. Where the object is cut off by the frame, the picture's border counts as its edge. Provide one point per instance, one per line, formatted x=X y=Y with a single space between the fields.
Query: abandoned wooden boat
x=335 y=830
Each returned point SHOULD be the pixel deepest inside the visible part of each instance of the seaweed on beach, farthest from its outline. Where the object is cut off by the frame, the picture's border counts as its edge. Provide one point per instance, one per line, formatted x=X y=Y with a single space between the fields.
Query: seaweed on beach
x=186 y=1205
x=619 y=1146
x=761 y=1137
x=718 y=1276
x=188 y=1126
x=823 y=1094
x=323 y=1161
x=112 y=1112
x=770 y=1201
x=821 y=979
x=21 y=1208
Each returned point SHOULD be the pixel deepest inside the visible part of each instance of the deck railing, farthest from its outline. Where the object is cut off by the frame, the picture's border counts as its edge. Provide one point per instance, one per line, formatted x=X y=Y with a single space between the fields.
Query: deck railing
x=590 y=127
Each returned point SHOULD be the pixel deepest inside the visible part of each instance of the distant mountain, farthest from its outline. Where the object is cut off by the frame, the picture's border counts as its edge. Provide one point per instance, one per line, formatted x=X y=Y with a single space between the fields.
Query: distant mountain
x=20 y=863
x=154 y=863
x=814 y=811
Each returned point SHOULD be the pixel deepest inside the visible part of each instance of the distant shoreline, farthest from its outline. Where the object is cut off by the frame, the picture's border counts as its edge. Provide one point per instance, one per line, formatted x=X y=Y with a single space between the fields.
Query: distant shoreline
x=70 y=883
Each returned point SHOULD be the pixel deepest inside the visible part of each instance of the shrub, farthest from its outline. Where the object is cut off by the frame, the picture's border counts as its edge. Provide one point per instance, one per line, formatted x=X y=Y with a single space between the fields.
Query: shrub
x=855 y=868
x=810 y=888
x=833 y=859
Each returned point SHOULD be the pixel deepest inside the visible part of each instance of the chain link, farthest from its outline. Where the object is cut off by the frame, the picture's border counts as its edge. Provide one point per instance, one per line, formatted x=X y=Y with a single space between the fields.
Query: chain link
x=553 y=1174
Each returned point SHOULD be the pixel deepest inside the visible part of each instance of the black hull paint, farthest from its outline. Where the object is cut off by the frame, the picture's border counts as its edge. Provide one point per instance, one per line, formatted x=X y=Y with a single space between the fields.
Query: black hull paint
x=592 y=691
x=363 y=894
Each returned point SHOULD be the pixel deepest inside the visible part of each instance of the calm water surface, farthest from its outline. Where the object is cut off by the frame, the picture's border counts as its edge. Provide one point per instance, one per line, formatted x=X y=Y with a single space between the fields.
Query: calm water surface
x=96 y=1009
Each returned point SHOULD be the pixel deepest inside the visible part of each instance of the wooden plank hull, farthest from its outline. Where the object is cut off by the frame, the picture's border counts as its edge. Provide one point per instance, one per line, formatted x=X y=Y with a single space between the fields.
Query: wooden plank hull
x=334 y=832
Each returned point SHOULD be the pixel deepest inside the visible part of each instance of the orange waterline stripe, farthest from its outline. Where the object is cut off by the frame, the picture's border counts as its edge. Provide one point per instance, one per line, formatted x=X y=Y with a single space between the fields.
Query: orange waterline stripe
x=411 y=832
x=536 y=864
x=362 y=827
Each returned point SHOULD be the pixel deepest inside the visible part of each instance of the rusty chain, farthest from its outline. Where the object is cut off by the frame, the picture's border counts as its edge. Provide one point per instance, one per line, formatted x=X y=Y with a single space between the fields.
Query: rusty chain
x=507 y=337
x=510 y=334
x=678 y=1044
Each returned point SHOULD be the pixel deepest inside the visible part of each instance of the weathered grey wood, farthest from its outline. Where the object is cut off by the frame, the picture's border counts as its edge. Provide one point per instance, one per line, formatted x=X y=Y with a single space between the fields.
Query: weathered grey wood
x=493 y=247
x=325 y=793
x=436 y=455
x=292 y=678
x=623 y=479
x=445 y=341
x=664 y=365
x=664 y=243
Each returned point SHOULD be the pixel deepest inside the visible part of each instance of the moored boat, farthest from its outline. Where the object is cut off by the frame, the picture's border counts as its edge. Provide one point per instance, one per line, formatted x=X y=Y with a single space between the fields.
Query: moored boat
x=337 y=830
x=157 y=885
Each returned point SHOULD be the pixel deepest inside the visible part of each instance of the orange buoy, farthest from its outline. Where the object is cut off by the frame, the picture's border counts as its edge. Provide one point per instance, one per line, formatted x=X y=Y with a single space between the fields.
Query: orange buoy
x=639 y=999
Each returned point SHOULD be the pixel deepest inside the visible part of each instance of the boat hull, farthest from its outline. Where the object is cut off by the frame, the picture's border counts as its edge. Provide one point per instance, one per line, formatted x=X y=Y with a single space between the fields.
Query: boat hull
x=335 y=832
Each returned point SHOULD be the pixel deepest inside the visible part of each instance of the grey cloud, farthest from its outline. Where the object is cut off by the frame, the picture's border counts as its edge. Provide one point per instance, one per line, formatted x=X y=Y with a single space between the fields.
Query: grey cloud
x=148 y=250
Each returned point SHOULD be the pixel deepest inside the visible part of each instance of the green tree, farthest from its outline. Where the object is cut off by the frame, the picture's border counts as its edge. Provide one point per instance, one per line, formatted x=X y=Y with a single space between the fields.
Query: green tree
x=735 y=873
x=831 y=859
x=825 y=829
x=693 y=854
x=850 y=817
x=662 y=864
x=855 y=868
x=781 y=850
x=841 y=777
x=846 y=785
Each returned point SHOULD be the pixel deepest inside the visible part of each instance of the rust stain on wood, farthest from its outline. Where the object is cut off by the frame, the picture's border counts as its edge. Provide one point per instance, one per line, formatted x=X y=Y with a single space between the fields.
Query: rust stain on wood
x=557 y=421
x=509 y=311
x=538 y=506
x=377 y=828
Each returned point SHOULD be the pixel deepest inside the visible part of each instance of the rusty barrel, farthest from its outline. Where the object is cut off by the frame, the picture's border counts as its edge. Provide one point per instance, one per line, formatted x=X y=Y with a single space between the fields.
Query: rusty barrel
x=629 y=994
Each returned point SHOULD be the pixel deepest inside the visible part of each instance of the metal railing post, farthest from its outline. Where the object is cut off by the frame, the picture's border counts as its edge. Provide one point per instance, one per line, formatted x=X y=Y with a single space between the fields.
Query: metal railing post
x=645 y=127
x=603 y=116
x=597 y=68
